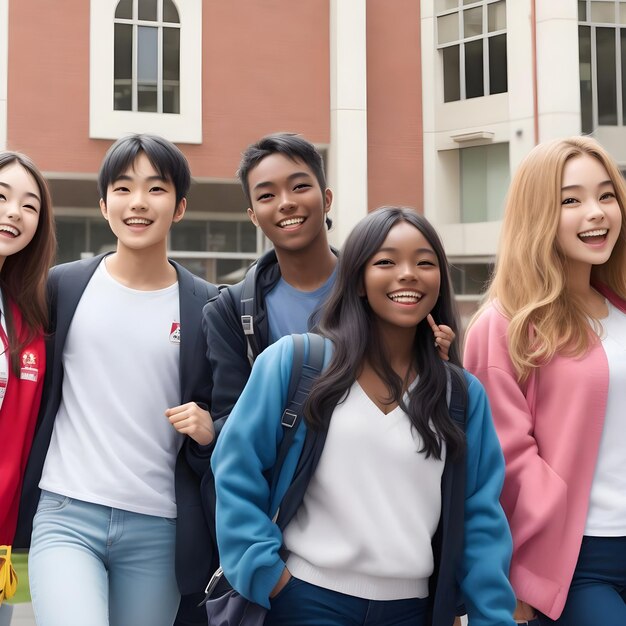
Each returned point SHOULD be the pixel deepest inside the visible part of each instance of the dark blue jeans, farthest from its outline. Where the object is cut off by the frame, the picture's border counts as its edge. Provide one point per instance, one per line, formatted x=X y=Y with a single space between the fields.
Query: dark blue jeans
x=303 y=604
x=597 y=595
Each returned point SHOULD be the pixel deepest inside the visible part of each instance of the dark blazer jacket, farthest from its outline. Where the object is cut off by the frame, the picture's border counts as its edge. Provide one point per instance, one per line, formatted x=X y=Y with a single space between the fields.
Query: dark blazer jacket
x=195 y=554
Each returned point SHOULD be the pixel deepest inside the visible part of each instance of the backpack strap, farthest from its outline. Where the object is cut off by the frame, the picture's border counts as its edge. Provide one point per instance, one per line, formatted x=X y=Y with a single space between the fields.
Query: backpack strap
x=304 y=373
x=457 y=404
x=247 y=312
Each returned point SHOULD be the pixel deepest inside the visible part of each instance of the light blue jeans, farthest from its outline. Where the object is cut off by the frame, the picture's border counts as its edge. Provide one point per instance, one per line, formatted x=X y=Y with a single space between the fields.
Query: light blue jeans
x=91 y=565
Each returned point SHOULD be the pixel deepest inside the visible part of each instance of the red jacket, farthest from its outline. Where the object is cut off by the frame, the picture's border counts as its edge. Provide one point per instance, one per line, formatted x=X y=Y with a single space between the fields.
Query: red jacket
x=18 y=416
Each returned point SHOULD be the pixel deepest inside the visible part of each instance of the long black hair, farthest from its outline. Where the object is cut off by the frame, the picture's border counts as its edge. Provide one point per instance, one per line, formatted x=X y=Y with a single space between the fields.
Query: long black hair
x=349 y=322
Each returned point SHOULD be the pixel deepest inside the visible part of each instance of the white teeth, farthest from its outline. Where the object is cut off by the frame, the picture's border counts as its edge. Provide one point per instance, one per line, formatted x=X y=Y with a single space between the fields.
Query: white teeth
x=406 y=297
x=594 y=233
x=137 y=220
x=291 y=221
x=9 y=229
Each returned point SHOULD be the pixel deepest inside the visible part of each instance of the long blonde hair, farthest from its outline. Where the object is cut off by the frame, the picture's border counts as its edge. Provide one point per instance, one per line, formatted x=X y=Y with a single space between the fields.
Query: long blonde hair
x=529 y=282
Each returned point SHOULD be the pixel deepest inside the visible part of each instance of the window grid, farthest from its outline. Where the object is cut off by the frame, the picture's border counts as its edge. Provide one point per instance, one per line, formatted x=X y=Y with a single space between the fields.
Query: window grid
x=618 y=26
x=159 y=24
x=462 y=41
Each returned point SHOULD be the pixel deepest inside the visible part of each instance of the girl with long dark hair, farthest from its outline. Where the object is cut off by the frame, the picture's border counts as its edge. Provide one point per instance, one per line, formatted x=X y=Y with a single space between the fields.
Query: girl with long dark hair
x=373 y=541
x=27 y=247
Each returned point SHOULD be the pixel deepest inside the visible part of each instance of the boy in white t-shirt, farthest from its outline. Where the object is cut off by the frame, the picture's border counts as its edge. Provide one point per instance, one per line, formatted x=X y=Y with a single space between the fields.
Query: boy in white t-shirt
x=120 y=443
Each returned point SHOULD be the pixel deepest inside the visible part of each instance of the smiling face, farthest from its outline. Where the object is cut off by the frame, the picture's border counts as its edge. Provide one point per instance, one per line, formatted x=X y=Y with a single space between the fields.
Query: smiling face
x=141 y=206
x=591 y=217
x=288 y=204
x=401 y=280
x=20 y=205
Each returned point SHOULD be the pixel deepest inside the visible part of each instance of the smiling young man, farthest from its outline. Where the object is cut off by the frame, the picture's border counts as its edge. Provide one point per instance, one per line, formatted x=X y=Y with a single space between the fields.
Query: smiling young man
x=282 y=176
x=119 y=442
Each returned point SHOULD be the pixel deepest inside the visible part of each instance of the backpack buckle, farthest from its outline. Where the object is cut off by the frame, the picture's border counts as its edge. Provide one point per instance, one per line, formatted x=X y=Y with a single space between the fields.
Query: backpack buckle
x=247 y=324
x=289 y=418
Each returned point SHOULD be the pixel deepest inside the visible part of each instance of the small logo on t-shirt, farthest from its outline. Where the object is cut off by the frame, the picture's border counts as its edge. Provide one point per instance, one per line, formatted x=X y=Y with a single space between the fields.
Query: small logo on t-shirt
x=175 y=332
x=29 y=369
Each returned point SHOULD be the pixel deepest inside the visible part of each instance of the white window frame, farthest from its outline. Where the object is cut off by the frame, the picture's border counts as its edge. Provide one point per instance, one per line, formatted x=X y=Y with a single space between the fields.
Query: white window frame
x=107 y=123
x=462 y=40
x=616 y=26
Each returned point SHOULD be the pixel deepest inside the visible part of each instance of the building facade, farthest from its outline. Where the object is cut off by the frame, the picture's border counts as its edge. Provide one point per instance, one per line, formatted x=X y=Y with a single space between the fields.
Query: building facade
x=425 y=103
x=500 y=76
x=212 y=76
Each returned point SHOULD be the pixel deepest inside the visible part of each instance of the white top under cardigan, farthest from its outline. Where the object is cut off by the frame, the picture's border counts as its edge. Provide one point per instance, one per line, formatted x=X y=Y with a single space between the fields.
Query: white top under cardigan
x=607 y=501
x=111 y=443
x=371 y=508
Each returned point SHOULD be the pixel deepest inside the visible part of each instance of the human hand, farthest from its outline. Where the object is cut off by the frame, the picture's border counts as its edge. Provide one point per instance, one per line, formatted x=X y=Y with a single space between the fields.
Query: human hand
x=524 y=613
x=189 y=419
x=444 y=336
x=285 y=577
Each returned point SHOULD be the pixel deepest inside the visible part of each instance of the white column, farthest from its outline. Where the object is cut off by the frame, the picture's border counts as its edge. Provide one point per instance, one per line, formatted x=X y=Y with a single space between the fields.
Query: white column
x=558 y=80
x=4 y=70
x=347 y=158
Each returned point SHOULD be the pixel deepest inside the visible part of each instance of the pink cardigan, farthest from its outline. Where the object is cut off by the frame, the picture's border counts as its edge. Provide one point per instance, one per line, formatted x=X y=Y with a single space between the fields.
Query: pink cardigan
x=550 y=430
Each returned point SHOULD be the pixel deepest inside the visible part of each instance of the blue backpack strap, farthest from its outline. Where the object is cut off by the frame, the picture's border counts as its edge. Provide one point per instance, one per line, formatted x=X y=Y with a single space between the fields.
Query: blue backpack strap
x=304 y=372
x=246 y=312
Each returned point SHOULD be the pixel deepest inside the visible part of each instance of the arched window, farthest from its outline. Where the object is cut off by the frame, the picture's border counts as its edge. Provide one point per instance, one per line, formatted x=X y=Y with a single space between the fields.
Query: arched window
x=147 y=56
x=145 y=69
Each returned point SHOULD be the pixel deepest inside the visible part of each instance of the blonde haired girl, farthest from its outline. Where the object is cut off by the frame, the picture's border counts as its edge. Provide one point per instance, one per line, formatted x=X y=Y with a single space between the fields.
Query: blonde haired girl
x=550 y=347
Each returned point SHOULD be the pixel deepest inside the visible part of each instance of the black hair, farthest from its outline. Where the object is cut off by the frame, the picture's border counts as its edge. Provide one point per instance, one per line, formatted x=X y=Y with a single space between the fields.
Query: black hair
x=165 y=157
x=349 y=322
x=24 y=274
x=290 y=145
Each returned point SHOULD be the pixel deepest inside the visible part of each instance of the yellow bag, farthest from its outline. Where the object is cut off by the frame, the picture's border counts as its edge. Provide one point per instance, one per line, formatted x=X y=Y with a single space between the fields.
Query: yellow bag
x=8 y=577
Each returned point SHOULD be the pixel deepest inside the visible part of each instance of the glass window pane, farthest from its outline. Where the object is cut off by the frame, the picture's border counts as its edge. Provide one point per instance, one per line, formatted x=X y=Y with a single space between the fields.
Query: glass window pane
x=448 y=28
x=247 y=236
x=497 y=16
x=171 y=70
x=124 y=10
x=497 y=64
x=584 y=61
x=606 y=72
x=101 y=236
x=622 y=13
x=71 y=238
x=170 y=12
x=451 y=74
x=603 y=12
x=473 y=22
x=122 y=67
x=223 y=237
x=484 y=182
x=471 y=1
x=148 y=10
x=230 y=271
x=582 y=10
x=147 y=54
x=444 y=5
x=123 y=55
x=474 y=72
x=147 y=98
x=171 y=54
x=189 y=236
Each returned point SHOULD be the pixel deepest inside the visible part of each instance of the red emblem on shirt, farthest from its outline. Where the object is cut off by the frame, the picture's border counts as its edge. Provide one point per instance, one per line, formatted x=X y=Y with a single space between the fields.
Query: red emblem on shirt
x=175 y=332
x=29 y=369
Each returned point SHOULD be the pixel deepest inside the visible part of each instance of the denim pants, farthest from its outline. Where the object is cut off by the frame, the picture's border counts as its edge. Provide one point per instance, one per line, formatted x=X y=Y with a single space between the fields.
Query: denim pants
x=92 y=565
x=597 y=595
x=302 y=604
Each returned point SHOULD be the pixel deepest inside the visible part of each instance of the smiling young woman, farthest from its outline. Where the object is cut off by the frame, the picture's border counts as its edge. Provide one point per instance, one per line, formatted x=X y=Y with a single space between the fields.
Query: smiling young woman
x=380 y=413
x=549 y=347
x=27 y=246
